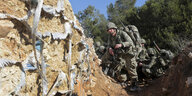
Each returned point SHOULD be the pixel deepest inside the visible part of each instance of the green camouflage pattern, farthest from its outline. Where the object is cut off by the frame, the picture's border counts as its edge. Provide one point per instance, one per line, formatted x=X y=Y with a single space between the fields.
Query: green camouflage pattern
x=126 y=54
x=111 y=25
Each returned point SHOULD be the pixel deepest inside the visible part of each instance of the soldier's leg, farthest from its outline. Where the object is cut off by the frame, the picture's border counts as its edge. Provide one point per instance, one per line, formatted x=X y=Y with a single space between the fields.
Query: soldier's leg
x=148 y=74
x=131 y=66
x=120 y=76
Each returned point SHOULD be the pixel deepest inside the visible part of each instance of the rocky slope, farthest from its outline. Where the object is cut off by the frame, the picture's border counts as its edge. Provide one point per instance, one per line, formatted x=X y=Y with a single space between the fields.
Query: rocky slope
x=66 y=56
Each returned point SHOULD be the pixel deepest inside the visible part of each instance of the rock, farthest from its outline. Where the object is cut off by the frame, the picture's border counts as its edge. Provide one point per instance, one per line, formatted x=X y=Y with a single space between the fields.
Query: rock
x=5 y=26
x=61 y=34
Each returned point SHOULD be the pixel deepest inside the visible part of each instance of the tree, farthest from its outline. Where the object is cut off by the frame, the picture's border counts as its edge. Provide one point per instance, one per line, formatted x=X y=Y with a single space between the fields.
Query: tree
x=117 y=12
x=93 y=23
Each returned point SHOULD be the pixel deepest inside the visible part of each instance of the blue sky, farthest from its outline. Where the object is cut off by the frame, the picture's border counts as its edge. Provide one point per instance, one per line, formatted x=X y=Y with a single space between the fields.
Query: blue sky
x=101 y=5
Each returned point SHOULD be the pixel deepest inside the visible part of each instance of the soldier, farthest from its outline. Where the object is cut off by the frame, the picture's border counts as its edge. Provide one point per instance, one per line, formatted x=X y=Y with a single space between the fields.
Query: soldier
x=97 y=45
x=156 y=66
x=100 y=52
x=143 y=54
x=142 y=58
x=121 y=46
x=146 y=68
x=167 y=55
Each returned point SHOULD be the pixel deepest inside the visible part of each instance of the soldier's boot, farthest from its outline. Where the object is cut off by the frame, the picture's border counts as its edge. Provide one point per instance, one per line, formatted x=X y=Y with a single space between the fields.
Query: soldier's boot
x=134 y=85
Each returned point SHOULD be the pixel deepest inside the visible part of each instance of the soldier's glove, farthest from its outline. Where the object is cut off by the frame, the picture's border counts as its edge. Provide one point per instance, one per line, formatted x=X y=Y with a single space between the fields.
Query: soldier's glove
x=118 y=46
x=140 y=64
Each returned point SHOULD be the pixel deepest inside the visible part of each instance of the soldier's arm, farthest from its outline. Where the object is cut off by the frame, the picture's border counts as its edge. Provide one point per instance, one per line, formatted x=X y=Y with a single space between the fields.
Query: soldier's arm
x=162 y=61
x=108 y=43
x=153 y=61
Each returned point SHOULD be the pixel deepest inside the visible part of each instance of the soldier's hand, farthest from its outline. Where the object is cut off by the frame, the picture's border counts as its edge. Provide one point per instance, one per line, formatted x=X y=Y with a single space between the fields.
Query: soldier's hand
x=118 y=46
x=140 y=64
x=111 y=51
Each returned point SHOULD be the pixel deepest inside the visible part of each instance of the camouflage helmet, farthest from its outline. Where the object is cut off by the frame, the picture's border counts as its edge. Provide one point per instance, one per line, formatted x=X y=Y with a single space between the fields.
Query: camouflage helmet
x=166 y=54
x=121 y=28
x=170 y=55
x=101 y=48
x=111 y=25
x=143 y=41
x=163 y=51
x=151 y=51
x=122 y=77
x=97 y=44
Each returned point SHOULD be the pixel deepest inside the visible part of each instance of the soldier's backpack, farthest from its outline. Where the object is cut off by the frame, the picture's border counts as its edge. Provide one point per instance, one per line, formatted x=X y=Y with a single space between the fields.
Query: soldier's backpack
x=133 y=32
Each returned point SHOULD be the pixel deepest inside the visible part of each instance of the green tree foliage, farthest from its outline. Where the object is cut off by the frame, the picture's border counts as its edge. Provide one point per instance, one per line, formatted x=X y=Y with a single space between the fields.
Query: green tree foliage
x=116 y=12
x=94 y=23
x=168 y=22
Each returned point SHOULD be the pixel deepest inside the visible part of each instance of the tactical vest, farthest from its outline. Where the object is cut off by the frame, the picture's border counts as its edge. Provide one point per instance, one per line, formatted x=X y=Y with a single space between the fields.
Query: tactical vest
x=126 y=50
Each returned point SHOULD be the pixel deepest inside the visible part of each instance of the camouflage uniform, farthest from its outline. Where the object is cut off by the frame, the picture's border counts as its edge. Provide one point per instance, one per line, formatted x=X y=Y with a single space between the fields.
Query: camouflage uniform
x=142 y=59
x=124 y=55
x=143 y=54
x=156 y=65
x=97 y=45
x=100 y=52
x=167 y=55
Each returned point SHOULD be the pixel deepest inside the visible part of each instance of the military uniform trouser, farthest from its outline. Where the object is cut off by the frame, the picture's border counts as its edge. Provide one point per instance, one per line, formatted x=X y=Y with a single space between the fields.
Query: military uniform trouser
x=130 y=65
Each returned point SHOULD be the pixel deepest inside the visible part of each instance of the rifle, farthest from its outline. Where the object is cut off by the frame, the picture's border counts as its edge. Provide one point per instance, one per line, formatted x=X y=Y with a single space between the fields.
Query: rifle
x=111 y=68
x=121 y=23
x=156 y=47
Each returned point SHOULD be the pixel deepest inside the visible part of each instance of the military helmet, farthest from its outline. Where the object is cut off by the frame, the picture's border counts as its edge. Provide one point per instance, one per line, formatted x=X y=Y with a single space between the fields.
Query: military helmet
x=122 y=77
x=97 y=44
x=166 y=54
x=121 y=28
x=163 y=52
x=143 y=41
x=170 y=55
x=151 y=51
x=101 y=48
x=111 y=25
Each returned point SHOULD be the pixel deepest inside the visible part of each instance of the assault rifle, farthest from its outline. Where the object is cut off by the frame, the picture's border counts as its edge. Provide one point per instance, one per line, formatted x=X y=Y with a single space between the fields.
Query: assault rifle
x=114 y=64
x=156 y=47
